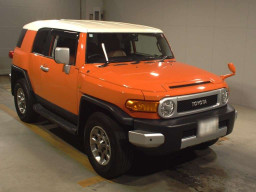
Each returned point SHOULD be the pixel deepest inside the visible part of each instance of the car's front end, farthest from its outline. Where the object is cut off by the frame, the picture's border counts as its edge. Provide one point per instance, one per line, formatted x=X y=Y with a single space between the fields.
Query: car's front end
x=185 y=121
x=177 y=105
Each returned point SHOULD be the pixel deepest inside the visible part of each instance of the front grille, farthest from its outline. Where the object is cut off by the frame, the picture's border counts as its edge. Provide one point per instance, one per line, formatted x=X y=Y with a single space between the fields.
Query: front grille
x=197 y=103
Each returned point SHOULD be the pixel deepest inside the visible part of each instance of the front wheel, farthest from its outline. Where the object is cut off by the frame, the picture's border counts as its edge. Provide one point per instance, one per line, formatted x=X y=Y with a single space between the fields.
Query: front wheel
x=107 y=146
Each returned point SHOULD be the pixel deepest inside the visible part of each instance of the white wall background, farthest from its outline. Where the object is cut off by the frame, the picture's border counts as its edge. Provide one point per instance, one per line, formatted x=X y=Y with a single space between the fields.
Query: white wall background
x=204 y=33
x=88 y=5
x=16 y=13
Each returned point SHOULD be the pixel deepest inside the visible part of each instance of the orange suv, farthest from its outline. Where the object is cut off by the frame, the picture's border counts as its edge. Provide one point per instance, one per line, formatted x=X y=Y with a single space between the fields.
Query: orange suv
x=118 y=86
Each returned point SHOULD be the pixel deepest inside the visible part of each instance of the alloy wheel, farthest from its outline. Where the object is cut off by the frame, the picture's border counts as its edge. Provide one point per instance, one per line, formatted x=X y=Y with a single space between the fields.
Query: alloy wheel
x=100 y=145
x=21 y=101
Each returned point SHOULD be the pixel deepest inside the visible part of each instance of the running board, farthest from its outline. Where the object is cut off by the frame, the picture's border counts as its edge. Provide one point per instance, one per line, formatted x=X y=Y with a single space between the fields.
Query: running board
x=71 y=128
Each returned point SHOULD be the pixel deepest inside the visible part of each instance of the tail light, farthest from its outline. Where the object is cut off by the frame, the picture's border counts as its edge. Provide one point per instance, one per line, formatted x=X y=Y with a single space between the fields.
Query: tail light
x=11 y=54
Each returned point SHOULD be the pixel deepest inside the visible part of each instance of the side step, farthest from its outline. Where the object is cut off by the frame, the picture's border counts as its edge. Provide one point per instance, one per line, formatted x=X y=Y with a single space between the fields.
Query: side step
x=55 y=118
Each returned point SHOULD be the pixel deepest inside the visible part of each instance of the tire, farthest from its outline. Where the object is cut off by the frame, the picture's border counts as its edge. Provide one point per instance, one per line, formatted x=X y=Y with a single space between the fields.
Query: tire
x=207 y=144
x=115 y=145
x=25 y=110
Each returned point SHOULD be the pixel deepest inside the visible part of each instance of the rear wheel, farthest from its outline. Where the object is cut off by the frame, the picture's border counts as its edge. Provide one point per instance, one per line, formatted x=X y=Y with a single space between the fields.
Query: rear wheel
x=24 y=102
x=107 y=146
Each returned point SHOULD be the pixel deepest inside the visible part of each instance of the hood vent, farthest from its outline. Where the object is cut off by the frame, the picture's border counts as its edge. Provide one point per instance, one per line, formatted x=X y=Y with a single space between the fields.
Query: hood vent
x=188 y=85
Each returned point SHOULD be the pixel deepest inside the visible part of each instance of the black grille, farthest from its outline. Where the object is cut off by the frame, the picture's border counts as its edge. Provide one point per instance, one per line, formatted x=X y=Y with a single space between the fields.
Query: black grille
x=197 y=103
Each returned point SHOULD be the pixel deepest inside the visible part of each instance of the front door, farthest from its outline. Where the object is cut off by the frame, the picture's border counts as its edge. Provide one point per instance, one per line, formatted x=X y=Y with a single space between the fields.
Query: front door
x=57 y=87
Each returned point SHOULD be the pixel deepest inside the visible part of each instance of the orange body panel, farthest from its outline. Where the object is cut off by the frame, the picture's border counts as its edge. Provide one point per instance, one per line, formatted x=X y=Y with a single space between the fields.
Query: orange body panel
x=21 y=55
x=145 y=81
x=115 y=83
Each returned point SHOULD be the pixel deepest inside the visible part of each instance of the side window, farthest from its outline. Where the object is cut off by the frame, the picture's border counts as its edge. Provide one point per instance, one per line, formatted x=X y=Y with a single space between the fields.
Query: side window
x=21 y=37
x=144 y=45
x=64 y=39
x=40 y=42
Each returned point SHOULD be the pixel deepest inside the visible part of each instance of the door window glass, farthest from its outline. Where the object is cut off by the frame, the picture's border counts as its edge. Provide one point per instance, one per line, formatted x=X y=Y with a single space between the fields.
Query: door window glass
x=40 y=43
x=65 y=41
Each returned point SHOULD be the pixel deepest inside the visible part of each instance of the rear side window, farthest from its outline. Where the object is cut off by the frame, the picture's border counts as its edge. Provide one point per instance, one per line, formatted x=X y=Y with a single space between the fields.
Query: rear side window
x=21 y=37
x=40 y=43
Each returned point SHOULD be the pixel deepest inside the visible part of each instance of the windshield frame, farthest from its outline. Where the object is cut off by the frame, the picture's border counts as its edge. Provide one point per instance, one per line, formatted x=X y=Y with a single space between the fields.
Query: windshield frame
x=113 y=60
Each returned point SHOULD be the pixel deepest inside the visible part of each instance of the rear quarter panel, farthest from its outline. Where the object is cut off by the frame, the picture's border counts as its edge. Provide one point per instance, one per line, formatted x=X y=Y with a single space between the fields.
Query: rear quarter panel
x=21 y=55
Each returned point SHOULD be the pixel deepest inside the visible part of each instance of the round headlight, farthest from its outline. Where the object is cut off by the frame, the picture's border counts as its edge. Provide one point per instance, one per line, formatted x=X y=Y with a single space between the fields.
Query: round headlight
x=166 y=108
x=224 y=96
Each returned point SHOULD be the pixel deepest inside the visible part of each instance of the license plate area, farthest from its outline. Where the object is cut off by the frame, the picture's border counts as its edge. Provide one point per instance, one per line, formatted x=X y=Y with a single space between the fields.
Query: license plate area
x=207 y=127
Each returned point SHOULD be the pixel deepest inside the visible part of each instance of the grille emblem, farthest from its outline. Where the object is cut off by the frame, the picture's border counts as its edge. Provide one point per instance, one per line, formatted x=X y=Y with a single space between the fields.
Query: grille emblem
x=199 y=102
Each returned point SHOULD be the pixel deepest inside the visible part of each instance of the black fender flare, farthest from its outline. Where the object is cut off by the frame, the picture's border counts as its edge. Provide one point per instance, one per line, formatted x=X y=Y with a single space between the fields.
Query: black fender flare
x=114 y=111
x=16 y=73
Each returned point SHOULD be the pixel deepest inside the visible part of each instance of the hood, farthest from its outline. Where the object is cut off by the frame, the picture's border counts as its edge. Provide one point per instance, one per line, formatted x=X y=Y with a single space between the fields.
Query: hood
x=152 y=76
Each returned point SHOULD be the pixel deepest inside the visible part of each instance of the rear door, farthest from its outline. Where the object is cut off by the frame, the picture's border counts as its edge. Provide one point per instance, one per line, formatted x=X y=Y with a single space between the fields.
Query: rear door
x=58 y=88
x=40 y=53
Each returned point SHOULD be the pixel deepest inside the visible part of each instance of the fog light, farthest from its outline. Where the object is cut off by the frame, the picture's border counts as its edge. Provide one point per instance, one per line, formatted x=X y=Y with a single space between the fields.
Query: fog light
x=224 y=96
x=166 y=108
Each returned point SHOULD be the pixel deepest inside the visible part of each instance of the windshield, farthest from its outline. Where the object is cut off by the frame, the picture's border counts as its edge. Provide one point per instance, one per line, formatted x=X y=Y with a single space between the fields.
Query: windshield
x=122 y=47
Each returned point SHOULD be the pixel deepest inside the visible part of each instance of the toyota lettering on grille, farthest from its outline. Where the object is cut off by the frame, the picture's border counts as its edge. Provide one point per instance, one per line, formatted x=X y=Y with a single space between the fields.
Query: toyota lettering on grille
x=199 y=102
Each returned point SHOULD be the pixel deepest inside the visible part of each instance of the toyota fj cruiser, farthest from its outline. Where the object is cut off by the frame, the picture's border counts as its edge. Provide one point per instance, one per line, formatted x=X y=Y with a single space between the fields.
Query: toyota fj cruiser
x=119 y=87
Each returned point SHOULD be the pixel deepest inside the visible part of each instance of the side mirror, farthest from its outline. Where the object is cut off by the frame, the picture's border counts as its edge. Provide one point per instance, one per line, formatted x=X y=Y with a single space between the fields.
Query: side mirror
x=61 y=56
x=232 y=68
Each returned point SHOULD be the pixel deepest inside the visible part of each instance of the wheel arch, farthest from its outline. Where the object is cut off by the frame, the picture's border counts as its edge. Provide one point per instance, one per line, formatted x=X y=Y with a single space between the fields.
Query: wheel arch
x=89 y=105
x=18 y=73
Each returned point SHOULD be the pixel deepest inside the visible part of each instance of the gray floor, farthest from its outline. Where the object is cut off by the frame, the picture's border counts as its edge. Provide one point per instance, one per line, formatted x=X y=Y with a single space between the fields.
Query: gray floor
x=42 y=157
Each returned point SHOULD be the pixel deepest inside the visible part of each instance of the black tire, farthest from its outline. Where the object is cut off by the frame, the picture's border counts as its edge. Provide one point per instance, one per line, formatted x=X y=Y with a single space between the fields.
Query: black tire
x=207 y=144
x=28 y=115
x=121 y=153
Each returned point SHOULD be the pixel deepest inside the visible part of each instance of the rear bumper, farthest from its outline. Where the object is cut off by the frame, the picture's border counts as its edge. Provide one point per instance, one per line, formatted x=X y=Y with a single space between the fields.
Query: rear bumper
x=165 y=136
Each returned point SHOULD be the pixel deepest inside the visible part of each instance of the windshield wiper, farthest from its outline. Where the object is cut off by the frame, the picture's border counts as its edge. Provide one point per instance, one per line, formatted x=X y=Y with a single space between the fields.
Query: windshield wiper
x=137 y=60
x=163 y=58
x=148 y=58
x=106 y=56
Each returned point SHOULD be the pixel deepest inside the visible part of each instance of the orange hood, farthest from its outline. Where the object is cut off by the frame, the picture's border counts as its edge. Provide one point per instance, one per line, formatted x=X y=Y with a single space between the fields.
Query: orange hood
x=152 y=76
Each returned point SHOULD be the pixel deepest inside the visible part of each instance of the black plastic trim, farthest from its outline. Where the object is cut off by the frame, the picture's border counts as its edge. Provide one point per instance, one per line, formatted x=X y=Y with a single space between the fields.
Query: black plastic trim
x=174 y=129
x=188 y=85
x=14 y=71
x=53 y=117
x=71 y=117
x=115 y=111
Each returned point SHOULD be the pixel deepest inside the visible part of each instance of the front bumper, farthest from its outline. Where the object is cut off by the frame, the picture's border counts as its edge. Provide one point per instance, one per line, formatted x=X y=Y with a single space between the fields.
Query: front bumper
x=162 y=136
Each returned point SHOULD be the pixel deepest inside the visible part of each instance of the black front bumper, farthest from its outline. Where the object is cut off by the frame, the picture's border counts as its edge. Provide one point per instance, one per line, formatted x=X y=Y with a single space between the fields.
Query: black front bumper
x=174 y=130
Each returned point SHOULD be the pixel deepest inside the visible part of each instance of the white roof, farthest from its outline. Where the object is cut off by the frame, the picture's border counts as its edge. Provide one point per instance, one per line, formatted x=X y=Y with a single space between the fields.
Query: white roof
x=91 y=26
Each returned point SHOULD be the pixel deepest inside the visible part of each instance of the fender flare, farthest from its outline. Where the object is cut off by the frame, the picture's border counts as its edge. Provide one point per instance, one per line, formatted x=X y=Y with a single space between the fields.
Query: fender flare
x=17 y=70
x=118 y=114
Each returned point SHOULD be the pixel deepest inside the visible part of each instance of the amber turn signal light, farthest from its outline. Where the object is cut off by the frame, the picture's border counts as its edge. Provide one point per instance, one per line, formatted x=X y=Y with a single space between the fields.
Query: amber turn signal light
x=142 y=106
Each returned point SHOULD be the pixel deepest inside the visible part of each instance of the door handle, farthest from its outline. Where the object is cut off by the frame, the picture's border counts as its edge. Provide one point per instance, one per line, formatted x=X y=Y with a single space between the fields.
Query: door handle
x=45 y=69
